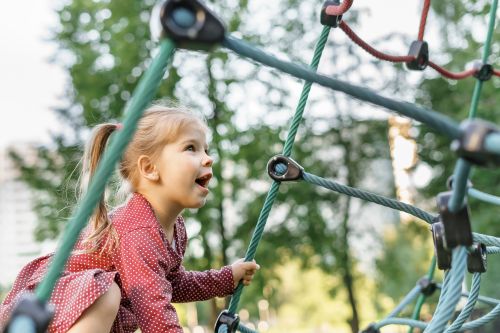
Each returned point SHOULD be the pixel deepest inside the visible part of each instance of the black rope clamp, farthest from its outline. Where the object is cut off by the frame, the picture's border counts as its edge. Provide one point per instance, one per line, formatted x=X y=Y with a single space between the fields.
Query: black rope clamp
x=290 y=170
x=471 y=145
x=476 y=259
x=484 y=72
x=370 y=329
x=449 y=183
x=443 y=256
x=457 y=229
x=191 y=24
x=420 y=50
x=330 y=20
x=227 y=318
x=428 y=287
x=29 y=306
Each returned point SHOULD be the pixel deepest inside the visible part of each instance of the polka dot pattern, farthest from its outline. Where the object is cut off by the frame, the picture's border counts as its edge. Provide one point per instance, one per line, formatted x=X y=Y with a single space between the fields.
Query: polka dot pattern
x=145 y=266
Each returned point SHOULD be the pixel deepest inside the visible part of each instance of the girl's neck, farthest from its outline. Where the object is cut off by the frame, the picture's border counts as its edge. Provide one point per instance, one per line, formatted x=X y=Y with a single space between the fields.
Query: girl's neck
x=165 y=214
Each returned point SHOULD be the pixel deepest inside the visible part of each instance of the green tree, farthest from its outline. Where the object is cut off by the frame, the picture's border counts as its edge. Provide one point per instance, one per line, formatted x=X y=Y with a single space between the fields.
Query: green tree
x=105 y=47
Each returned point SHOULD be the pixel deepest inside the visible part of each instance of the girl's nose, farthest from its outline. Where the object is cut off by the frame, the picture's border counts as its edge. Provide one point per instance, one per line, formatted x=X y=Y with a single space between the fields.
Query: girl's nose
x=208 y=161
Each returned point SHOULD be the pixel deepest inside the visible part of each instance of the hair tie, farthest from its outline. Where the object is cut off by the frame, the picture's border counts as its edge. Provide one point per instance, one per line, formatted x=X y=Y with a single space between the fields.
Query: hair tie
x=119 y=126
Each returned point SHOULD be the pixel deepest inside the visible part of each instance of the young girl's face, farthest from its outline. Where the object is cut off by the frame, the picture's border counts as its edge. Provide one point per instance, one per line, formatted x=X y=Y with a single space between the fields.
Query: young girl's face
x=185 y=168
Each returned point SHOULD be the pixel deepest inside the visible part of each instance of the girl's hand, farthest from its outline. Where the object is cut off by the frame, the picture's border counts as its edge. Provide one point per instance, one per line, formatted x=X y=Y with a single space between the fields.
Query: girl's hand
x=244 y=270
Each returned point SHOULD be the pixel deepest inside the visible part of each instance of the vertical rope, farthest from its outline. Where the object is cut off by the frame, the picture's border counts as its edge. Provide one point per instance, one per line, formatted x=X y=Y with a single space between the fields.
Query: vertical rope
x=463 y=168
x=261 y=222
x=422 y=297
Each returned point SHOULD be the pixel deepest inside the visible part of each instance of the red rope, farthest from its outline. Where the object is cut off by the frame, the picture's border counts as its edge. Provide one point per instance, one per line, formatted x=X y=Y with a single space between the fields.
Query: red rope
x=377 y=54
x=397 y=59
x=423 y=19
x=340 y=9
x=450 y=75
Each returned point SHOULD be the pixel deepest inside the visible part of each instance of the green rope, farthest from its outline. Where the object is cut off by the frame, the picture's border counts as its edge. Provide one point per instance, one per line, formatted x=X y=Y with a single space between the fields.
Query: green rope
x=273 y=191
x=422 y=297
x=143 y=95
x=493 y=199
x=469 y=306
x=463 y=168
x=439 y=122
x=287 y=150
x=368 y=196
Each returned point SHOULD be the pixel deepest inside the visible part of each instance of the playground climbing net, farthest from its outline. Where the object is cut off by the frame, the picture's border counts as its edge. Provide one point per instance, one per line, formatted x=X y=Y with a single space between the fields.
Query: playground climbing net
x=190 y=24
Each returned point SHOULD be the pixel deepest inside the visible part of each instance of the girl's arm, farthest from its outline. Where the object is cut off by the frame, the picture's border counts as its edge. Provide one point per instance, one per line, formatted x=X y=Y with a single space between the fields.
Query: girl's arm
x=144 y=282
x=191 y=286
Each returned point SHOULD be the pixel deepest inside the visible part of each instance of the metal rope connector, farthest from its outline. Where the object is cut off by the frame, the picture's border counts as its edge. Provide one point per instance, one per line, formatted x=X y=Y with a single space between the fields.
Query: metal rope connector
x=484 y=72
x=191 y=24
x=457 y=227
x=427 y=286
x=330 y=20
x=229 y=319
x=420 y=50
x=28 y=306
x=282 y=168
x=472 y=144
x=476 y=259
x=443 y=256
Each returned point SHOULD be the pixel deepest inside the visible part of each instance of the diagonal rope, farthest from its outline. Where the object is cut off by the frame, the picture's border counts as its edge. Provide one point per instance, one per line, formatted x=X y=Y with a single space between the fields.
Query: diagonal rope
x=439 y=122
x=143 y=95
x=368 y=196
x=273 y=191
x=469 y=306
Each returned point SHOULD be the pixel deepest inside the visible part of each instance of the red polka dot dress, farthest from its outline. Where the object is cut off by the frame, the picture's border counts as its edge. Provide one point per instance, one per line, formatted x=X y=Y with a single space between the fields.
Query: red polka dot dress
x=146 y=267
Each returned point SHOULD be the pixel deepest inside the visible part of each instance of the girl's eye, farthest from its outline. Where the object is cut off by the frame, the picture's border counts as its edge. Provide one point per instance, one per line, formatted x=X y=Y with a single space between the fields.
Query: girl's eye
x=190 y=148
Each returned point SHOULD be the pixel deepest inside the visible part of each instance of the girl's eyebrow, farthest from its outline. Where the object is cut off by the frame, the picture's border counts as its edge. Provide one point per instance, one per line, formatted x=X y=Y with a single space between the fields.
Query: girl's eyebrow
x=195 y=141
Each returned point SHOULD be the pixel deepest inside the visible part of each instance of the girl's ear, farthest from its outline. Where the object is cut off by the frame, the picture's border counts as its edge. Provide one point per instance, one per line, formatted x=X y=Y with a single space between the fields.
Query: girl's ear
x=147 y=169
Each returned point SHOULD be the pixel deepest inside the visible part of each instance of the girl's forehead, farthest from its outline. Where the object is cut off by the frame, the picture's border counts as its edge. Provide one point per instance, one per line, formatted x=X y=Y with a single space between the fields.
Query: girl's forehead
x=195 y=131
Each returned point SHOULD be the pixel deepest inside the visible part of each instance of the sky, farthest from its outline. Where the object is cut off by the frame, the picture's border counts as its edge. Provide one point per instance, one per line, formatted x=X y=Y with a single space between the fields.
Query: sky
x=30 y=85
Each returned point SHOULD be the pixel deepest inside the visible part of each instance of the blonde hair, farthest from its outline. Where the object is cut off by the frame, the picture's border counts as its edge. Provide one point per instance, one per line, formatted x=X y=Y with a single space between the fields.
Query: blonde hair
x=160 y=125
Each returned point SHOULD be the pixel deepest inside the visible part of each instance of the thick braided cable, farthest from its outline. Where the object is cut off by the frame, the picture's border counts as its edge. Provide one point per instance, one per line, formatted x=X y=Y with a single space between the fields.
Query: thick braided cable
x=261 y=222
x=486 y=319
x=143 y=95
x=462 y=168
x=439 y=122
x=469 y=306
x=483 y=299
x=492 y=249
x=486 y=197
x=486 y=239
x=406 y=300
x=453 y=294
x=368 y=196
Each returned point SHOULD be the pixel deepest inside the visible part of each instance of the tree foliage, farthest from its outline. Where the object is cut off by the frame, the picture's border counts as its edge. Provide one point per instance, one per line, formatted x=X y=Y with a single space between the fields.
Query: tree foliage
x=105 y=47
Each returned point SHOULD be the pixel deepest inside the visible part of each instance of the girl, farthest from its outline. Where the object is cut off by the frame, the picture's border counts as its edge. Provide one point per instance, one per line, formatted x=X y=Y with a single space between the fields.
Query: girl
x=126 y=271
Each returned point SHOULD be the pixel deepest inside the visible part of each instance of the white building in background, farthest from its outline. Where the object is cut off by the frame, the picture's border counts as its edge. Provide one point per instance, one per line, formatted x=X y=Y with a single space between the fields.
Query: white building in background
x=17 y=219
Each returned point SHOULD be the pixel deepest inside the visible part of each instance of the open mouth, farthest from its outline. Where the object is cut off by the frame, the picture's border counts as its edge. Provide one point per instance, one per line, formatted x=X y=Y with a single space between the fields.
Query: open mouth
x=204 y=180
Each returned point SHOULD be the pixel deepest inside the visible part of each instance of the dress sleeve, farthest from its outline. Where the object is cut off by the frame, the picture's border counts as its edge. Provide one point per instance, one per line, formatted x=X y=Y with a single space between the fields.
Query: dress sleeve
x=143 y=267
x=190 y=286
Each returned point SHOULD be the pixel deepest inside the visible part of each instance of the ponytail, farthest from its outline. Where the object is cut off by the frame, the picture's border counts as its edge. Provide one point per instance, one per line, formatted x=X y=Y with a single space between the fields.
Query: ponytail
x=101 y=234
